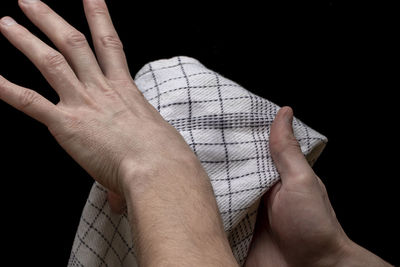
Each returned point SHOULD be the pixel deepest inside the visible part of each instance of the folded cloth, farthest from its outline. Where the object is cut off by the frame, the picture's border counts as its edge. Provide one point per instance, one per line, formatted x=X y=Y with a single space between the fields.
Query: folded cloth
x=227 y=127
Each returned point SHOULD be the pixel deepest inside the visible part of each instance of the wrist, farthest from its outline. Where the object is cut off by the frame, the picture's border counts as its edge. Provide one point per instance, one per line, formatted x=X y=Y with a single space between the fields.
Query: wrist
x=347 y=253
x=354 y=255
x=138 y=177
x=173 y=212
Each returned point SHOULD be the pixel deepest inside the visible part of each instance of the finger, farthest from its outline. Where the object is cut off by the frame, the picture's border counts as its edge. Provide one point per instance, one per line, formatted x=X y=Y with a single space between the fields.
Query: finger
x=29 y=102
x=117 y=204
x=269 y=196
x=72 y=44
x=51 y=63
x=285 y=149
x=263 y=249
x=108 y=46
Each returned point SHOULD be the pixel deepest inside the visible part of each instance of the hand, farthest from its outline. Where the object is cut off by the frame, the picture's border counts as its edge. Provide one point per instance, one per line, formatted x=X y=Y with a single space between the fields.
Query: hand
x=105 y=123
x=102 y=120
x=296 y=224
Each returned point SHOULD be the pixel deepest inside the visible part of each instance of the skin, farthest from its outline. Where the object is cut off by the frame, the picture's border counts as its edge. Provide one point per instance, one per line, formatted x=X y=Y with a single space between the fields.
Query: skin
x=107 y=126
x=103 y=122
x=296 y=224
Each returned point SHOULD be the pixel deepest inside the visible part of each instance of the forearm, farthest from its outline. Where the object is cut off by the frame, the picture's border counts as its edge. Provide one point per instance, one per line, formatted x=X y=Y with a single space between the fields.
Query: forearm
x=175 y=218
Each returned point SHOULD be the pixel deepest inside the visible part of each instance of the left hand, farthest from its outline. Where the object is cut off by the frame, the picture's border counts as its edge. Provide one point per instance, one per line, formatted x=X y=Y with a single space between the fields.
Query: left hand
x=102 y=120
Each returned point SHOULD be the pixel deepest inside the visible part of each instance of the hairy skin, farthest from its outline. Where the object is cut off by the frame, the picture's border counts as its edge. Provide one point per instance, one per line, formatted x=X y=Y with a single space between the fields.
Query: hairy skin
x=296 y=224
x=106 y=125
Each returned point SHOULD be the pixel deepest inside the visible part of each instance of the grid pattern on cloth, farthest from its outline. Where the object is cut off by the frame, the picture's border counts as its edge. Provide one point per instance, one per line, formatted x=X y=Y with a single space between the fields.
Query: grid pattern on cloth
x=227 y=127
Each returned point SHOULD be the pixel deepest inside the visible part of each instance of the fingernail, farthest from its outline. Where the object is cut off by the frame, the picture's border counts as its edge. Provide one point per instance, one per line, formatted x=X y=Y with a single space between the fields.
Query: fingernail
x=29 y=1
x=8 y=21
x=288 y=114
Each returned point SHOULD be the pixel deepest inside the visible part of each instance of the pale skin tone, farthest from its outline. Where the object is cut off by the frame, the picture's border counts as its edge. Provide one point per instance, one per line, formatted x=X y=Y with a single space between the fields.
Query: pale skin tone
x=105 y=124
x=297 y=225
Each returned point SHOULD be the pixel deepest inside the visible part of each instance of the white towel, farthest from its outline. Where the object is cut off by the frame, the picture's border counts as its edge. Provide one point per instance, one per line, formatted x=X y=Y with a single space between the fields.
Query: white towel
x=228 y=128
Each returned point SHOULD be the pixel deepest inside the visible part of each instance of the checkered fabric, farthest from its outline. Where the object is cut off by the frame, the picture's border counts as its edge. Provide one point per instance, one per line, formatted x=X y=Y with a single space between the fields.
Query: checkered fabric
x=227 y=127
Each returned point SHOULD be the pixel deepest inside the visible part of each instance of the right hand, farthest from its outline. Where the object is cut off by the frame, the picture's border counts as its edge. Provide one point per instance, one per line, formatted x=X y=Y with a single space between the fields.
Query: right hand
x=296 y=224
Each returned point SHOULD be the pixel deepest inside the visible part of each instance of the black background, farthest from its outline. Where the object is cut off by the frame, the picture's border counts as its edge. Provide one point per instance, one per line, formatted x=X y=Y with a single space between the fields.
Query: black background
x=332 y=62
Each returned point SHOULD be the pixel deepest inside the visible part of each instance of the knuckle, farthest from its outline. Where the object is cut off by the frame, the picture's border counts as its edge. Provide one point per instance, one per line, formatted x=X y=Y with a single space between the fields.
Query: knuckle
x=27 y=98
x=322 y=185
x=73 y=122
x=280 y=145
x=21 y=33
x=111 y=41
x=75 y=39
x=110 y=93
x=98 y=10
x=275 y=145
x=53 y=61
x=304 y=178
x=3 y=82
x=67 y=127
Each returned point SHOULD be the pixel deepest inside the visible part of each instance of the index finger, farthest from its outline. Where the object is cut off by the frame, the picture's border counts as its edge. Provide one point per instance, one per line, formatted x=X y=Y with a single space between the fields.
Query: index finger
x=29 y=102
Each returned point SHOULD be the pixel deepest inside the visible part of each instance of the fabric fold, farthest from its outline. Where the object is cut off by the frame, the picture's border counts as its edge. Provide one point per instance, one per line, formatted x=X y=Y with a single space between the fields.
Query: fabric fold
x=227 y=127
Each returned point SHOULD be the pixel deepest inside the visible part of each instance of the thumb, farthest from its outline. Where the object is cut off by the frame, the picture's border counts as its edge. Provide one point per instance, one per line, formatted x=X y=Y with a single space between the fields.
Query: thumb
x=117 y=204
x=285 y=150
